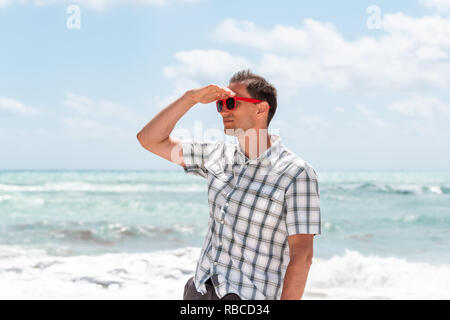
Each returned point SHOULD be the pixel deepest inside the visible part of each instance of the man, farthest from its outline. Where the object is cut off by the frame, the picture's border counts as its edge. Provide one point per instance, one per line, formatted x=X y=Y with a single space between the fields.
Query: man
x=263 y=199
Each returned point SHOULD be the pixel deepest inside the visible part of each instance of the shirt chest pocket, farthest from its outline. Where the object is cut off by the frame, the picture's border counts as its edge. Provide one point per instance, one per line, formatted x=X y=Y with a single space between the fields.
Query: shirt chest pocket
x=215 y=169
x=218 y=182
x=268 y=198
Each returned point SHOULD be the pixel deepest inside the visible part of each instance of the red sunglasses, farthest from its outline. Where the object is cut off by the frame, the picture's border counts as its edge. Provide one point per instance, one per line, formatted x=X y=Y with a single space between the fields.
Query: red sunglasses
x=230 y=103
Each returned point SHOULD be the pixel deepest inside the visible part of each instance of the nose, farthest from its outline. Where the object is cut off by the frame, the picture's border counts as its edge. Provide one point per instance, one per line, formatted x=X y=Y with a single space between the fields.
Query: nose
x=225 y=111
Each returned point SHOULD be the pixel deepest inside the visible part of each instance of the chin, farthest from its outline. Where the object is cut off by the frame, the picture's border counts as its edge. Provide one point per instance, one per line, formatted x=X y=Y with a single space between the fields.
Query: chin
x=229 y=131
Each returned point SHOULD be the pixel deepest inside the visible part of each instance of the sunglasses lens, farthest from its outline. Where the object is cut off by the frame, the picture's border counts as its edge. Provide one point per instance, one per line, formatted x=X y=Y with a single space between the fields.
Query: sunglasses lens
x=230 y=103
x=219 y=105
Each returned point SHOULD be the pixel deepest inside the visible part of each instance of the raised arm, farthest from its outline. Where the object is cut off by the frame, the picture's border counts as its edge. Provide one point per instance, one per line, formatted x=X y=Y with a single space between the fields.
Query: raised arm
x=155 y=136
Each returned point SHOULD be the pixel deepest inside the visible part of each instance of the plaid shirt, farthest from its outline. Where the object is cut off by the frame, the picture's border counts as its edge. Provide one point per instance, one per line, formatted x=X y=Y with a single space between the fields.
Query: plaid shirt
x=254 y=205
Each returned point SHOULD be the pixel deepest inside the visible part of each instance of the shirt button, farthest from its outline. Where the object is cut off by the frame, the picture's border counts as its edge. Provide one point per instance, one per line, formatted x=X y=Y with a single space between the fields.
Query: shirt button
x=221 y=221
x=215 y=263
x=226 y=204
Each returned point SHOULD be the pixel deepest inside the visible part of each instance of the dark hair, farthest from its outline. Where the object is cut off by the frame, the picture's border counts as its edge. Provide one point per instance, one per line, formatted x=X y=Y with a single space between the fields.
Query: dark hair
x=258 y=88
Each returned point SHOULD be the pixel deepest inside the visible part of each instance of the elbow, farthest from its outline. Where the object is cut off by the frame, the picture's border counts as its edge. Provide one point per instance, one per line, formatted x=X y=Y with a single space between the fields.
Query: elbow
x=141 y=140
x=150 y=146
x=139 y=137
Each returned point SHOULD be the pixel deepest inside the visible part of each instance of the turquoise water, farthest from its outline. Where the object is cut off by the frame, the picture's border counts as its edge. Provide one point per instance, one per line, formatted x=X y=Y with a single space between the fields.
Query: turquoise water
x=399 y=214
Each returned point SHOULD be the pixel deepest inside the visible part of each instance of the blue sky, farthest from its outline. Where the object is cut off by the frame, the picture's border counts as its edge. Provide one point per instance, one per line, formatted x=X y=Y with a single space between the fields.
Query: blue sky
x=351 y=97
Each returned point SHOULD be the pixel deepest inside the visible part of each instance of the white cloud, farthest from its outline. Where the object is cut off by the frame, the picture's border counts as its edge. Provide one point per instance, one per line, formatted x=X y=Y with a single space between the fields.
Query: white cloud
x=95 y=4
x=440 y=5
x=412 y=53
x=279 y=124
x=15 y=107
x=205 y=65
x=314 y=121
x=99 y=118
x=103 y=4
x=158 y=102
x=4 y=3
x=421 y=107
x=91 y=127
x=372 y=117
x=105 y=109
x=425 y=130
x=197 y=68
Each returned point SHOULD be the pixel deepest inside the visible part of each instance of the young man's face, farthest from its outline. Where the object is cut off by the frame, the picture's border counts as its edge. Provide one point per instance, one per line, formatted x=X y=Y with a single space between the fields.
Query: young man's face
x=244 y=115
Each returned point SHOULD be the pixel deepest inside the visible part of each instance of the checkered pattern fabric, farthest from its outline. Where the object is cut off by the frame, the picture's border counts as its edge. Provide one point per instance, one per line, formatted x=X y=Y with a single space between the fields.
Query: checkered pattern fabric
x=254 y=205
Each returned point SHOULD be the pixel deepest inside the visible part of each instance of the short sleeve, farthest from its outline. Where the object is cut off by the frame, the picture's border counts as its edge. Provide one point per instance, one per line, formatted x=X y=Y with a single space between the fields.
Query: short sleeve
x=302 y=199
x=196 y=154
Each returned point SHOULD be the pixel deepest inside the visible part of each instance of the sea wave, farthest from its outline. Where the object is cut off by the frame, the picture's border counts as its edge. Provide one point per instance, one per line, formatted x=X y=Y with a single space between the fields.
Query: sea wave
x=93 y=187
x=102 y=233
x=356 y=276
x=405 y=189
x=33 y=274
x=79 y=186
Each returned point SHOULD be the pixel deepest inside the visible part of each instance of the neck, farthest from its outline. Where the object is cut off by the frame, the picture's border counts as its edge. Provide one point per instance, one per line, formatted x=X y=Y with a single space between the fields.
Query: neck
x=254 y=142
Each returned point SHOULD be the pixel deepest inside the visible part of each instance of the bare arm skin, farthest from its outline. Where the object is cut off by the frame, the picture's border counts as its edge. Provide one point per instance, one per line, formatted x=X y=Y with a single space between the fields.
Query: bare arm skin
x=155 y=136
x=301 y=253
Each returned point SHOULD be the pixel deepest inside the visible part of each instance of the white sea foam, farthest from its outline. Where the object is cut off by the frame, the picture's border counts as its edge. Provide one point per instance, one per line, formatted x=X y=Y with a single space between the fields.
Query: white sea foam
x=32 y=274
x=436 y=189
x=354 y=276
x=92 y=187
x=407 y=189
x=5 y=197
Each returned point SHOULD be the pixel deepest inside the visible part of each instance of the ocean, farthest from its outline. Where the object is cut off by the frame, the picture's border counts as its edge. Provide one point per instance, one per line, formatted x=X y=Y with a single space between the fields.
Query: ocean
x=137 y=234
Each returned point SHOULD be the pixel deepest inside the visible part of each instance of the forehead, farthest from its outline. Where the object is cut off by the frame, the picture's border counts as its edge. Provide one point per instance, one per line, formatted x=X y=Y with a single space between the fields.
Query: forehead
x=239 y=88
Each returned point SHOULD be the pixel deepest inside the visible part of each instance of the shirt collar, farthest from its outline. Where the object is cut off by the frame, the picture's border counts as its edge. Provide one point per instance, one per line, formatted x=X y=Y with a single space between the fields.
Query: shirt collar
x=267 y=158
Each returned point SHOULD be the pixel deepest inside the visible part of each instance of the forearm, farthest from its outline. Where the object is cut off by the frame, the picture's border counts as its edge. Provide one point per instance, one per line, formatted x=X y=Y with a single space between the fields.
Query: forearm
x=295 y=279
x=160 y=127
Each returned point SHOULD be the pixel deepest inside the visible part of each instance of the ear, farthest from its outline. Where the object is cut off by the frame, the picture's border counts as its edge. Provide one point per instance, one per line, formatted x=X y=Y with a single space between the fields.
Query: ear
x=263 y=106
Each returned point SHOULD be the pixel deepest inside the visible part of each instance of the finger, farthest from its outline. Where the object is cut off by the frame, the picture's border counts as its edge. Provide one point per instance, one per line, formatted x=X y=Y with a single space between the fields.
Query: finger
x=229 y=92
x=222 y=94
x=223 y=97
